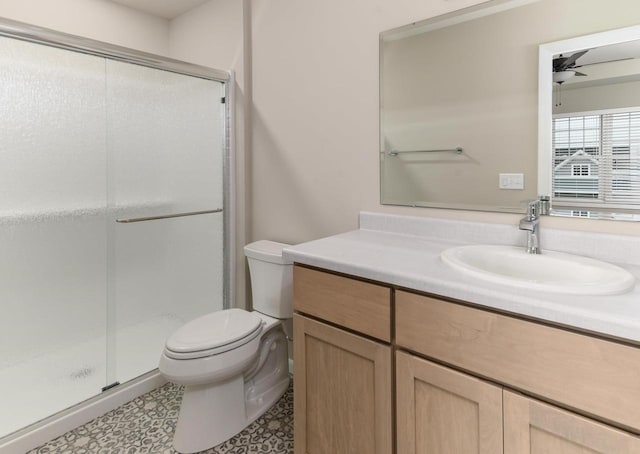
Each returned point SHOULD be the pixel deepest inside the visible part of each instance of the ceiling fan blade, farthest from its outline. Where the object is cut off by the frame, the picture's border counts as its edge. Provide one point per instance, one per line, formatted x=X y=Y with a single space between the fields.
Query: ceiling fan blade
x=563 y=63
x=606 y=61
x=571 y=60
x=558 y=63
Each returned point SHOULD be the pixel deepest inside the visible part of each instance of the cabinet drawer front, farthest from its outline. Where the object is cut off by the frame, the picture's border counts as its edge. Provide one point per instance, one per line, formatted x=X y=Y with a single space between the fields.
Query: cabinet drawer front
x=598 y=377
x=357 y=305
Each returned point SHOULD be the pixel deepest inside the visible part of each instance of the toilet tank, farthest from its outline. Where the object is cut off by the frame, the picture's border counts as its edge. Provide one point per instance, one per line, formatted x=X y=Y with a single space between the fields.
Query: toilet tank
x=271 y=278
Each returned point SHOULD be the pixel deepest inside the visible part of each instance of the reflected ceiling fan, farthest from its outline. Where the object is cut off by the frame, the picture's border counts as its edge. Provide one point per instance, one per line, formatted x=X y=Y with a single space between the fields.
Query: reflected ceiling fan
x=564 y=68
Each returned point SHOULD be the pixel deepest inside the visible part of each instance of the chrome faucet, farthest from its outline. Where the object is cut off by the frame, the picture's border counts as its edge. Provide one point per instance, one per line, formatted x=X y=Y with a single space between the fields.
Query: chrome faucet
x=529 y=223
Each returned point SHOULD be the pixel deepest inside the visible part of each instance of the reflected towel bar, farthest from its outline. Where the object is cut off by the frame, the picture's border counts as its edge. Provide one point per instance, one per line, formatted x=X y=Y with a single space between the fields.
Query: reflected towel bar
x=456 y=150
x=167 y=216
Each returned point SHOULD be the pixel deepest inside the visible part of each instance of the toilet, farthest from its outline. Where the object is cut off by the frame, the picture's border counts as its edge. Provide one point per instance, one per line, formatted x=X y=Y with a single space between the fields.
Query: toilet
x=233 y=363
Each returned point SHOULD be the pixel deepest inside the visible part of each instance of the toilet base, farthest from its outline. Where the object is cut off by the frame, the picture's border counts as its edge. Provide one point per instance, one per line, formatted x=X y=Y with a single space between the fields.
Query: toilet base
x=201 y=424
x=210 y=414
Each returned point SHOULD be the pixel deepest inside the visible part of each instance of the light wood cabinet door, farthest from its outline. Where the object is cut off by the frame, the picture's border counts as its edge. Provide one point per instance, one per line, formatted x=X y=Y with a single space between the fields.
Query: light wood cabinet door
x=342 y=388
x=443 y=411
x=532 y=427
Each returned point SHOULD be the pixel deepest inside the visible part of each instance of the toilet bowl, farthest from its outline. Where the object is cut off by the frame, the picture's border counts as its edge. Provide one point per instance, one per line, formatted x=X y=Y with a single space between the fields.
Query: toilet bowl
x=233 y=363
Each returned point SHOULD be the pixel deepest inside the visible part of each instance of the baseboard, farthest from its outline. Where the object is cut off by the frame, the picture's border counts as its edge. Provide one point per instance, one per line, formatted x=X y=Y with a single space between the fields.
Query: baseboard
x=43 y=431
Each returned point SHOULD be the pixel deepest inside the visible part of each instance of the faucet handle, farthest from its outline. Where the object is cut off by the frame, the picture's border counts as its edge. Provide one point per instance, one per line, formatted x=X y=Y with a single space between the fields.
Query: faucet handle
x=533 y=208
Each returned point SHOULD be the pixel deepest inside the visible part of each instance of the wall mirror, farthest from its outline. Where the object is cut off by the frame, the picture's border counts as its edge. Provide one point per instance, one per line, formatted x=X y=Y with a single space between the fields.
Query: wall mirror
x=469 y=80
x=589 y=125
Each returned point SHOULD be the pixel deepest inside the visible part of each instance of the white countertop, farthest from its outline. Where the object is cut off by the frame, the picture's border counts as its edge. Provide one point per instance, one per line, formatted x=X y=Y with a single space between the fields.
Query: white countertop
x=377 y=251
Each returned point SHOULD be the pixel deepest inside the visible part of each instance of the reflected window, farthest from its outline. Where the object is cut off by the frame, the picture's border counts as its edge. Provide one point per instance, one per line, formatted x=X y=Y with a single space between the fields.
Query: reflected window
x=597 y=157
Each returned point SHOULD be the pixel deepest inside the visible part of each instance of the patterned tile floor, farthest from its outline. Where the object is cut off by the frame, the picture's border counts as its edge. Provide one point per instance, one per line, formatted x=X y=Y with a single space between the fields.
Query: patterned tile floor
x=146 y=425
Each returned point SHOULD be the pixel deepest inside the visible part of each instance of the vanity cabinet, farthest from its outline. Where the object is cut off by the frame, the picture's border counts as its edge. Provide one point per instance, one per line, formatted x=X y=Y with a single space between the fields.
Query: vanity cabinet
x=466 y=379
x=342 y=376
x=440 y=410
x=591 y=375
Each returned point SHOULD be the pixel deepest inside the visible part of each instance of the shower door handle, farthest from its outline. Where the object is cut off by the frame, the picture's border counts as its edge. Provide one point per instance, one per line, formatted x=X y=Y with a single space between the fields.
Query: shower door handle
x=168 y=216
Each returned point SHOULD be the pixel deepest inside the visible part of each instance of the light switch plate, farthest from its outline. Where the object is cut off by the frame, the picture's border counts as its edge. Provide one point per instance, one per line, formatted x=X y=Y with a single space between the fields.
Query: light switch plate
x=511 y=181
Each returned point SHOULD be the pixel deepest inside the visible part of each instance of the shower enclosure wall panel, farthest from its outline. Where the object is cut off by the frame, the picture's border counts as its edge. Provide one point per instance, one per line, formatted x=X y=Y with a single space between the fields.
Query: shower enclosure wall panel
x=85 y=142
x=166 y=147
x=52 y=230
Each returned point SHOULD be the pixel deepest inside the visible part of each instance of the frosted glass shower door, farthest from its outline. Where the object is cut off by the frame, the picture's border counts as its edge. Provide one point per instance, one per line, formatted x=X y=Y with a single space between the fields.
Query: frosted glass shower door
x=52 y=231
x=166 y=142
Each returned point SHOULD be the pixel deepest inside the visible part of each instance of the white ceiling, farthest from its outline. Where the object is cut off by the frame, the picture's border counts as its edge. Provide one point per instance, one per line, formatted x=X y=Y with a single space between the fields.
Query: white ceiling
x=162 y=8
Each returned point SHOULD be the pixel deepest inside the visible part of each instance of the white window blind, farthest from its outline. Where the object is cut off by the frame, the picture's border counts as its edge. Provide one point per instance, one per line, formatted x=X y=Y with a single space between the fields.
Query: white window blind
x=596 y=158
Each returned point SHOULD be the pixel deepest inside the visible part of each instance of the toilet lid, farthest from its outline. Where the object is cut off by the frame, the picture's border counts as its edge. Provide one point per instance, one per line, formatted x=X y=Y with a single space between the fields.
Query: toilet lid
x=214 y=330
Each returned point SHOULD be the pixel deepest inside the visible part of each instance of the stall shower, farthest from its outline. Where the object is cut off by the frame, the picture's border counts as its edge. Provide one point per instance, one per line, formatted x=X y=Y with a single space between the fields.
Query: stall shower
x=113 y=182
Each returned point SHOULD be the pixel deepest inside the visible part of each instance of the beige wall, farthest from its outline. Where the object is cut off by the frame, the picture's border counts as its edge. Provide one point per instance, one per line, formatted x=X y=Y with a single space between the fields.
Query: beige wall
x=210 y=35
x=95 y=19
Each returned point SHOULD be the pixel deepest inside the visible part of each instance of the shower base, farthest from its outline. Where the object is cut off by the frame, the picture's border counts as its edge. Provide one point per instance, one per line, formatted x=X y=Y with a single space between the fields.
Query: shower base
x=38 y=388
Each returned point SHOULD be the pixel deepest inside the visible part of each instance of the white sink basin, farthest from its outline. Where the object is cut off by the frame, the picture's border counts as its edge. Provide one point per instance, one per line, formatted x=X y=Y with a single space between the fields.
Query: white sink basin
x=549 y=271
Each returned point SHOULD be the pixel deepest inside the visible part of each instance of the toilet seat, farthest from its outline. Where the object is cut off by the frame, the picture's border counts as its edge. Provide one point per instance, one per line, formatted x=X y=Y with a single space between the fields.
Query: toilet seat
x=213 y=334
